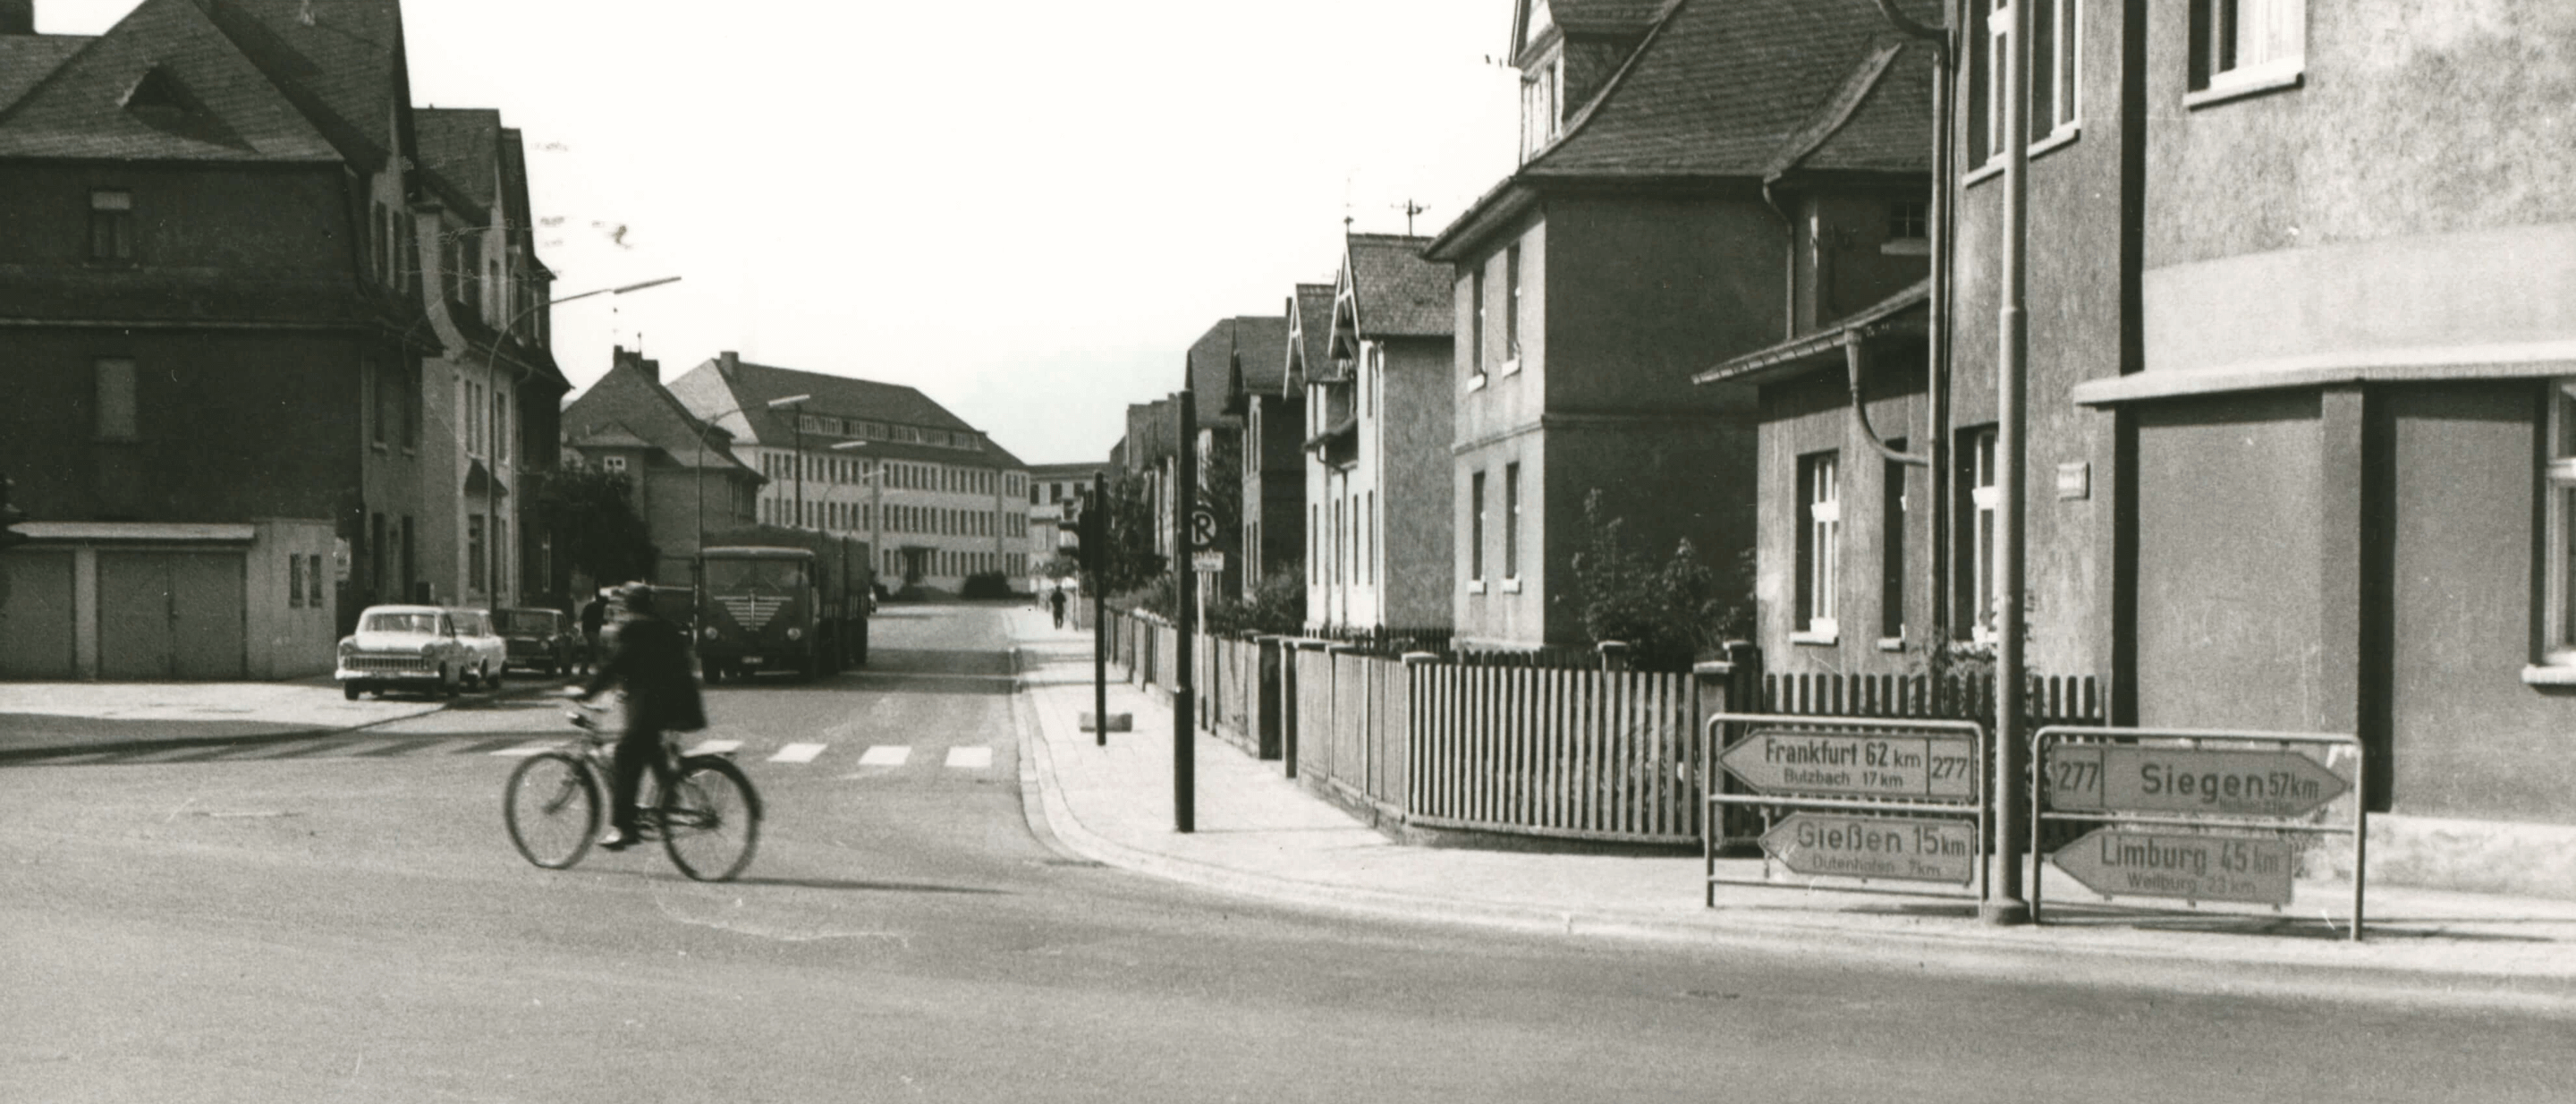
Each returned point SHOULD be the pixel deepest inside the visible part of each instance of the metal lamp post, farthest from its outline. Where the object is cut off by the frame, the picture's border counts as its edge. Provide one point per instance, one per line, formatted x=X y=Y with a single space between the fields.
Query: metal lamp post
x=700 y=469
x=876 y=501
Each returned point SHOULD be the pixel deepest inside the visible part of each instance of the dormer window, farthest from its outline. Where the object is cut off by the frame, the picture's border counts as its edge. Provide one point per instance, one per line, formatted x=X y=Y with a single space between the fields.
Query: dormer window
x=161 y=100
x=1542 y=104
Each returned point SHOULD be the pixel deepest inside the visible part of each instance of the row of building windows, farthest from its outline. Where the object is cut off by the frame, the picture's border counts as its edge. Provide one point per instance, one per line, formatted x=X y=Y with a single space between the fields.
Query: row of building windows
x=1820 y=553
x=838 y=470
x=861 y=516
x=946 y=561
x=2235 y=44
x=881 y=431
x=1353 y=559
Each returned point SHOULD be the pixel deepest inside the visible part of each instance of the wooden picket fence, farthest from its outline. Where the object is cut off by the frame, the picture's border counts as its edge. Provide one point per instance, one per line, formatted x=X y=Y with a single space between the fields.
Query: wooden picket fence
x=2054 y=699
x=1606 y=755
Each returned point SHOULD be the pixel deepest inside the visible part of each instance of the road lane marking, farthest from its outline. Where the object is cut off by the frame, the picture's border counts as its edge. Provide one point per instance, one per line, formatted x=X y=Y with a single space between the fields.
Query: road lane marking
x=714 y=747
x=883 y=755
x=524 y=750
x=970 y=758
x=797 y=753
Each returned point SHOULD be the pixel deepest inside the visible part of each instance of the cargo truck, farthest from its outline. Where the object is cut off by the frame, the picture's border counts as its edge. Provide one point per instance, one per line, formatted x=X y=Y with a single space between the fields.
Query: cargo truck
x=771 y=598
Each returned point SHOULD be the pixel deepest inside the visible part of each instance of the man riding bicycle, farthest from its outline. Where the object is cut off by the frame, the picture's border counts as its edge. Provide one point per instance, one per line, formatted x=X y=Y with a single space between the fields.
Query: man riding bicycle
x=651 y=662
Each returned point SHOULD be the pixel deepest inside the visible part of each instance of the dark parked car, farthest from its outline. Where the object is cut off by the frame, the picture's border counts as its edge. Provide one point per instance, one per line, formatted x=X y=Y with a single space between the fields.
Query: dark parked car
x=539 y=639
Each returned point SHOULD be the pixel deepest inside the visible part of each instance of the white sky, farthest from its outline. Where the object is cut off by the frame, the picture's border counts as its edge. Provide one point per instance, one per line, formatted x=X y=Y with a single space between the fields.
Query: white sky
x=1026 y=208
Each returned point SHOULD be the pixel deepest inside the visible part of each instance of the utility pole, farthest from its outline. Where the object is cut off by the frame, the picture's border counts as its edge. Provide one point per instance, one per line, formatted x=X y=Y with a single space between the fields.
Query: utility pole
x=2006 y=903
x=1185 y=497
x=1095 y=552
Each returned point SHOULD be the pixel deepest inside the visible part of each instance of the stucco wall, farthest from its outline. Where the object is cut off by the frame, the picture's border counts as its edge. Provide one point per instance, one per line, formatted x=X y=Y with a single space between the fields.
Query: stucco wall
x=2468 y=739
x=1414 y=505
x=2230 y=565
x=1642 y=292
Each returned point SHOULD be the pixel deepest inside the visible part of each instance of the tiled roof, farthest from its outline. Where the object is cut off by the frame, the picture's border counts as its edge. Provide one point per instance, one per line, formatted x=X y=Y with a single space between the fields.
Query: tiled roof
x=162 y=84
x=1878 y=121
x=630 y=401
x=752 y=386
x=26 y=59
x=1398 y=292
x=340 y=61
x=1255 y=346
x=461 y=148
x=1311 y=328
x=1720 y=86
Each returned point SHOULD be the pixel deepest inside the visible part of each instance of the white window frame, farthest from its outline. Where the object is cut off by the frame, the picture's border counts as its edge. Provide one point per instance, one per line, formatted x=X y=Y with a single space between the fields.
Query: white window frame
x=1820 y=549
x=2557 y=661
x=2065 y=77
x=2282 y=55
x=1984 y=497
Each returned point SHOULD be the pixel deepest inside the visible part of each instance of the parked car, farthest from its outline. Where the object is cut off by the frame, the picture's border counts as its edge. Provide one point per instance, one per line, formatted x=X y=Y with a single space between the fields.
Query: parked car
x=490 y=655
x=412 y=647
x=538 y=639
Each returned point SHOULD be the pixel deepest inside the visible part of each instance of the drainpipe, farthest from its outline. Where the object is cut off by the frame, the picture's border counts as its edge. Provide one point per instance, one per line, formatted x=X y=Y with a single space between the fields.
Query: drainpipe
x=1855 y=359
x=1936 y=445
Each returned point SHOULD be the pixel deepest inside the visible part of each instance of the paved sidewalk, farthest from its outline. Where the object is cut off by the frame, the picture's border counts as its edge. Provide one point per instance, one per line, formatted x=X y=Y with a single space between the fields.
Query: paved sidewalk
x=1261 y=834
x=38 y=717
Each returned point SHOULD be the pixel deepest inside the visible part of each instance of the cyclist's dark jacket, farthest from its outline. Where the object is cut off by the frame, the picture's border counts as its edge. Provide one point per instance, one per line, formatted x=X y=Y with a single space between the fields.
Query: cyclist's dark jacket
x=652 y=663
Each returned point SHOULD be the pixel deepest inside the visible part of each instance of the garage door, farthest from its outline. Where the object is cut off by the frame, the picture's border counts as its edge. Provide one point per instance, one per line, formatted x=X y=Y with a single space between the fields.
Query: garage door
x=36 y=615
x=170 y=615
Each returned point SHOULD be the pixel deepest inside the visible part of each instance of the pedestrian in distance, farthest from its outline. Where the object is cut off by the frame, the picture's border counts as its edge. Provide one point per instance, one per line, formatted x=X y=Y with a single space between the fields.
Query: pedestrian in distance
x=650 y=660
x=1055 y=601
x=594 y=615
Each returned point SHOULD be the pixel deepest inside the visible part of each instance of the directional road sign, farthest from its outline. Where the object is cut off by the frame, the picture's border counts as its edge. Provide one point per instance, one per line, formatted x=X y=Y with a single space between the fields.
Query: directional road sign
x=1908 y=848
x=2119 y=862
x=2127 y=778
x=1842 y=764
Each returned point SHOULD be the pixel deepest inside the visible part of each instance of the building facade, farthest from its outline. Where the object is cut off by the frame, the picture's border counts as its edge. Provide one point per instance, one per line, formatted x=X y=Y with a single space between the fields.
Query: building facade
x=936 y=499
x=685 y=479
x=1056 y=495
x=1377 y=441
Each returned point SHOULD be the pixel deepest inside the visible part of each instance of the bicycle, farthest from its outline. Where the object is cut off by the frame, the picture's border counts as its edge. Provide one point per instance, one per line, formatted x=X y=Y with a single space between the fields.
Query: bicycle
x=708 y=821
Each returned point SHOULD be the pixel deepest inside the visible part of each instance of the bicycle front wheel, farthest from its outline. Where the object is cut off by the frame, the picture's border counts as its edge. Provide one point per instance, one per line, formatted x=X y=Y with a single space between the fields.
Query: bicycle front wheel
x=552 y=806
x=710 y=819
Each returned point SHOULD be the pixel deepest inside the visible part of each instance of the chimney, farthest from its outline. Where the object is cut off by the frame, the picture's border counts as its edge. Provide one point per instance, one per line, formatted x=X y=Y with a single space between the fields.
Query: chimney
x=17 y=17
x=728 y=364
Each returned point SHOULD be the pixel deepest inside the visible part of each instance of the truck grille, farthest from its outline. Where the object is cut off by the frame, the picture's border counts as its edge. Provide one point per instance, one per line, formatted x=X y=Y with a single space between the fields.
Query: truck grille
x=752 y=611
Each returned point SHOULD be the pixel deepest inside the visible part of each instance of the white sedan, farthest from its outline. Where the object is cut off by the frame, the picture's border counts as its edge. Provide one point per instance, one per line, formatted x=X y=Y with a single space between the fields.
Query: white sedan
x=403 y=647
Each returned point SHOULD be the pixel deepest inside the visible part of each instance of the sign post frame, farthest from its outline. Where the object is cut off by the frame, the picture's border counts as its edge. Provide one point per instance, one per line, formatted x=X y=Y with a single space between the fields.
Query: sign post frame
x=2285 y=825
x=1974 y=807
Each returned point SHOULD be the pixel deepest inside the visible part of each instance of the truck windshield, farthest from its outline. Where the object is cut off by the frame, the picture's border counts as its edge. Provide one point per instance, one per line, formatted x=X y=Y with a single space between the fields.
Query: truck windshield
x=426 y=623
x=728 y=575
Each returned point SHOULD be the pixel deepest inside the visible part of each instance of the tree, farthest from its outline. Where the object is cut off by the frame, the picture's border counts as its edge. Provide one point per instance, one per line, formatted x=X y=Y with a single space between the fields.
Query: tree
x=1666 y=612
x=592 y=514
x=1125 y=559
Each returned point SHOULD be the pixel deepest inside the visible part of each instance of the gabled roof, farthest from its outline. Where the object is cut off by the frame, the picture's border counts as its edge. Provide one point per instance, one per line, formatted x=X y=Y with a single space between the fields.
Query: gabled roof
x=200 y=98
x=740 y=394
x=341 y=62
x=1580 y=17
x=1310 y=333
x=27 y=59
x=1237 y=356
x=1387 y=289
x=460 y=150
x=629 y=408
x=1874 y=123
x=1720 y=85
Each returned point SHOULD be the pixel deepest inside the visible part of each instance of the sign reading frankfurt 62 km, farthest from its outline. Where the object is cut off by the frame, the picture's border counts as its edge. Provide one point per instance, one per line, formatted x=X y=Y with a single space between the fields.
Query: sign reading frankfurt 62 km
x=1840 y=764
x=1875 y=847
x=2116 y=861
x=2130 y=779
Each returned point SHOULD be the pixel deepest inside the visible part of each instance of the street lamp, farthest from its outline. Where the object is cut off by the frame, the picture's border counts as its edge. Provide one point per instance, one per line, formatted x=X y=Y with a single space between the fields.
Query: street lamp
x=699 y=470
x=876 y=502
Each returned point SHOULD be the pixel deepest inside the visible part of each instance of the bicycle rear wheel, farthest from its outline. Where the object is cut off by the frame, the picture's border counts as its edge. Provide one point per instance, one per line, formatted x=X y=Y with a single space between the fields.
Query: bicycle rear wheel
x=552 y=807
x=710 y=819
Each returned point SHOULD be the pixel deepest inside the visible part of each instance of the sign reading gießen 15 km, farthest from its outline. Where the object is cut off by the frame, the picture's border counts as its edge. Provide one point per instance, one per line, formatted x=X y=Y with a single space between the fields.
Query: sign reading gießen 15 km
x=1837 y=764
x=2130 y=779
x=1906 y=848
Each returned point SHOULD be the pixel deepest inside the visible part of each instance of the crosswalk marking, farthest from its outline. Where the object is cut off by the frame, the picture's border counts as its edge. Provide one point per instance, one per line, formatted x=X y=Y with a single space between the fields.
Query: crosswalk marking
x=883 y=755
x=970 y=758
x=520 y=746
x=522 y=751
x=797 y=753
x=715 y=747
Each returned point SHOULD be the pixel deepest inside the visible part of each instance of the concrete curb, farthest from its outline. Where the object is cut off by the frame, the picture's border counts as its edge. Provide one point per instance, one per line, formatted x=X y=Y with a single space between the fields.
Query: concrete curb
x=2197 y=966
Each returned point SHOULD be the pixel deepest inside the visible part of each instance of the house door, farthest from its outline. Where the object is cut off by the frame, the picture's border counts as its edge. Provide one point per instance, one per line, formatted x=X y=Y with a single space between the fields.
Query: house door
x=170 y=615
x=36 y=615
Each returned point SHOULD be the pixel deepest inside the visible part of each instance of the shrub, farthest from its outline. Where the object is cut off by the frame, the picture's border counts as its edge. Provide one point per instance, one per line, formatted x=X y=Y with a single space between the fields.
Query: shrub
x=1277 y=606
x=986 y=584
x=1667 y=613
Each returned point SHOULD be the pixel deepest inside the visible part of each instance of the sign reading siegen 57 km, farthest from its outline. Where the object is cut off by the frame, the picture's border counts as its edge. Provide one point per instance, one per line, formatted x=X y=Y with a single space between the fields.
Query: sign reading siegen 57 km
x=1839 y=764
x=2133 y=779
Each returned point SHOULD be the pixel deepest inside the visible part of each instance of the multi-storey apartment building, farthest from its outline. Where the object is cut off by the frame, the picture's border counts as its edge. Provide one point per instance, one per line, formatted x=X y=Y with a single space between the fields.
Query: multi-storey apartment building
x=1272 y=403
x=1377 y=442
x=217 y=403
x=936 y=498
x=1671 y=157
x=682 y=469
x=1218 y=363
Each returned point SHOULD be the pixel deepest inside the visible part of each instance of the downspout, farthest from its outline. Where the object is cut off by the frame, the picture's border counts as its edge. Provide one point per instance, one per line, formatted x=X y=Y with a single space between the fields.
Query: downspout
x=1855 y=358
x=1936 y=446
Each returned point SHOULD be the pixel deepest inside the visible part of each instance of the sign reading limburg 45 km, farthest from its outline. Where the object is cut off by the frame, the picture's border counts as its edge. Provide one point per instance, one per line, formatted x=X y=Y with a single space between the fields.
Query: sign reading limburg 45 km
x=1840 y=764
x=2116 y=861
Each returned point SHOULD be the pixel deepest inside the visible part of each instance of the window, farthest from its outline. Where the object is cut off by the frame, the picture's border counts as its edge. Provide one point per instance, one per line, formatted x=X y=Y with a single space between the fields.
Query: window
x=1368 y=536
x=1542 y=111
x=501 y=425
x=1819 y=544
x=295 y=582
x=1476 y=527
x=474 y=577
x=2240 y=46
x=2055 y=74
x=1511 y=521
x=111 y=226
x=2559 y=479
x=1976 y=541
x=613 y=463
x=1512 y=308
x=1476 y=325
x=115 y=399
x=1909 y=220
x=313 y=574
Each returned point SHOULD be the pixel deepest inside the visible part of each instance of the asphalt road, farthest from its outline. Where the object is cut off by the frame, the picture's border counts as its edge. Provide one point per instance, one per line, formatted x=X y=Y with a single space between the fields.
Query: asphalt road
x=344 y=920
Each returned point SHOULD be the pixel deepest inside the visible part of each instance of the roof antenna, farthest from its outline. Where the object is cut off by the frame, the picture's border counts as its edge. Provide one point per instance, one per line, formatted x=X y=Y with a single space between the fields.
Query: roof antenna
x=305 y=16
x=1410 y=209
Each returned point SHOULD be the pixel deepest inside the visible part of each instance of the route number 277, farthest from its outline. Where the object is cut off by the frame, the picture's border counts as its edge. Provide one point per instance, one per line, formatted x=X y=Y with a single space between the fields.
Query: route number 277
x=2075 y=776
